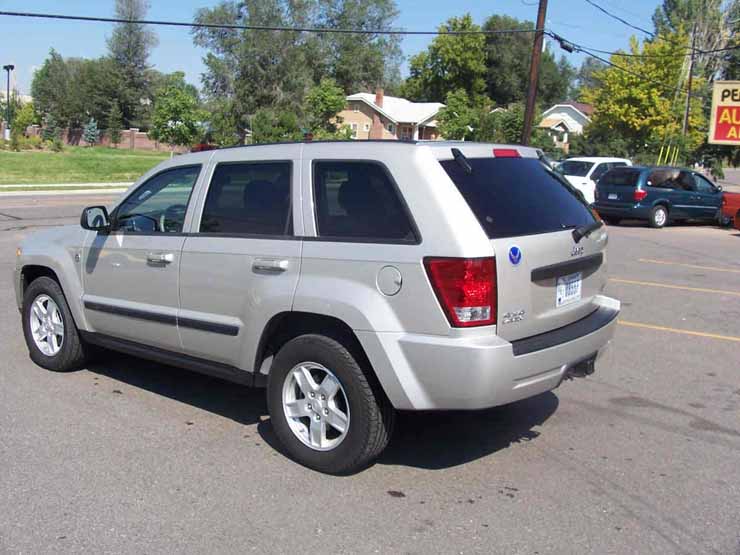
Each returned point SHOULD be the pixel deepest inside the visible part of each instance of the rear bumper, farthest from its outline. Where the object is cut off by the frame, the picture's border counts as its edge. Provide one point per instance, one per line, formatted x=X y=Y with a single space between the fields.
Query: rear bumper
x=637 y=212
x=422 y=372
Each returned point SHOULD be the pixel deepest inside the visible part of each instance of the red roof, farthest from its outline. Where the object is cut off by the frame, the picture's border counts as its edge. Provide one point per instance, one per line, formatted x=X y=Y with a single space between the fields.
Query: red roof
x=587 y=109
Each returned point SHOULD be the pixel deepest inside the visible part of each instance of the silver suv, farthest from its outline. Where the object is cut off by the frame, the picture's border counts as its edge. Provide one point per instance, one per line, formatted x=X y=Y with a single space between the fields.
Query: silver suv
x=351 y=279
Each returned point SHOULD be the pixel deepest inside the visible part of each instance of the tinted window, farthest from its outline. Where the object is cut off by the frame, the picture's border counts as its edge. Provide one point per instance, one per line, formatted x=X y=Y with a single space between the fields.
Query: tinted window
x=248 y=198
x=703 y=185
x=663 y=179
x=518 y=196
x=600 y=170
x=620 y=177
x=573 y=167
x=160 y=204
x=359 y=200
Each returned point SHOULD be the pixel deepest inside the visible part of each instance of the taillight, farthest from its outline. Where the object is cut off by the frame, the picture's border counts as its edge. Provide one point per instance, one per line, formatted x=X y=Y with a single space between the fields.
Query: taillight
x=506 y=153
x=724 y=200
x=466 y=289
x=639 y=194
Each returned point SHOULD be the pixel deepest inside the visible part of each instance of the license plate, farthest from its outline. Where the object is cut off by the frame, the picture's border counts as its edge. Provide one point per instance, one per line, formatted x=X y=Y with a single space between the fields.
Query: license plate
x=613 y=196
x=568 y=289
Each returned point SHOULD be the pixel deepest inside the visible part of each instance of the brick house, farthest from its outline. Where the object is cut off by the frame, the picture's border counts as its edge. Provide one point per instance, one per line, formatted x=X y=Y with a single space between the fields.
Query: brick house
x=376 y=116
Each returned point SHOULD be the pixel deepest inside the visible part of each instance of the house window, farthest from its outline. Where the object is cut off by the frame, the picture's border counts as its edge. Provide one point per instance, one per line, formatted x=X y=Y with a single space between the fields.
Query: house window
x=355 y=107
x=367 y=127
x=391 y=128
x=353 y=126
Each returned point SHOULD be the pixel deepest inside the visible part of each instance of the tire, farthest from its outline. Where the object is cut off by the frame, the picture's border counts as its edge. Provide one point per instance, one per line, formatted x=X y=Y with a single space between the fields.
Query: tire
x=71 y=353
x=658 y=216
x=611 y=220
x=370 y=416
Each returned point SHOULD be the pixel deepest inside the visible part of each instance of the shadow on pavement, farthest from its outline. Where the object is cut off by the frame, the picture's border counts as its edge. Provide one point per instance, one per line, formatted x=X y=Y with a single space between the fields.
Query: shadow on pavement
x=239 y=403
x=431 y=440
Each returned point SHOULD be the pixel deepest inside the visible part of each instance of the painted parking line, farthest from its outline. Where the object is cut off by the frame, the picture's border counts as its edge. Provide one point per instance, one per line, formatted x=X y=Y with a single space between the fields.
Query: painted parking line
x=696 y=267
x=677 y=330
x=680 y=287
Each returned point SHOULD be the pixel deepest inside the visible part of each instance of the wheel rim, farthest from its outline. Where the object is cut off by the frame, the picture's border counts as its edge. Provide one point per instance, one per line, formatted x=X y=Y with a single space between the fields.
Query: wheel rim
x=315 y=406
x=47 y=326
x=660 y=217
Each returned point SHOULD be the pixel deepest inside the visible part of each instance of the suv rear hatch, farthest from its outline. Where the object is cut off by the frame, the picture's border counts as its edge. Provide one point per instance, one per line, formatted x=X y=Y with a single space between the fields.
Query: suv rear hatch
x=617 y=188
x=545 y=279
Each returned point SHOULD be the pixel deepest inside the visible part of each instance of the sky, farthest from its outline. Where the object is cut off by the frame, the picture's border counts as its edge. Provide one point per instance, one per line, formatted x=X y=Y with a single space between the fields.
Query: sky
x=26 y=42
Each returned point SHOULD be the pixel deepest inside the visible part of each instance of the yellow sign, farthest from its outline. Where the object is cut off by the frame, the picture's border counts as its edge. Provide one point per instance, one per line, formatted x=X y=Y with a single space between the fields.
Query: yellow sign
x=724 y=125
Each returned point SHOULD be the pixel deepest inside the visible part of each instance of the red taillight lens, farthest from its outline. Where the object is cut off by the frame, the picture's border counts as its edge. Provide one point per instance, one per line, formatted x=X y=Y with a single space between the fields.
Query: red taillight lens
x=724 y=200
x=466 y=289
x=506 y=153
x=639 y=194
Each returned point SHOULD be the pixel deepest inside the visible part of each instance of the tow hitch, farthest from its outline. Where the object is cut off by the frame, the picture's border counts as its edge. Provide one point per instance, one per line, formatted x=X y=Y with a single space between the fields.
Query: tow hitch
x=580 y=369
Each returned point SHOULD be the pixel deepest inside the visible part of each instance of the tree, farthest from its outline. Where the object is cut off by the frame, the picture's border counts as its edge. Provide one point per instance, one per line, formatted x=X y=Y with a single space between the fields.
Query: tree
x=458 y=118
x=269 y=126
x=358 y=62
x=130 y=46
x=22 y=118
x=507 y=63
x=115 y=124
x=450 y=63
x=177 y=117
x=585 y=78
x=91 y=133
x=323 y=103
x=50 y=88
x=50 y=130
x=640 y=99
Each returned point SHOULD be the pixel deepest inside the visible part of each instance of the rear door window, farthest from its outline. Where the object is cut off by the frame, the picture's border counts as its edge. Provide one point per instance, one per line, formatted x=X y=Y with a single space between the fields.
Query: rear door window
x=359 y=201
x=518 y=196
x=620 y=177
x=249 y=199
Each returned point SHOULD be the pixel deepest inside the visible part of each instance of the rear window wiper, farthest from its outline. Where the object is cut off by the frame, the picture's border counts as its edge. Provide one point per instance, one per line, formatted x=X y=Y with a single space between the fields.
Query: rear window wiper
x=585 y=230
x=462 y=161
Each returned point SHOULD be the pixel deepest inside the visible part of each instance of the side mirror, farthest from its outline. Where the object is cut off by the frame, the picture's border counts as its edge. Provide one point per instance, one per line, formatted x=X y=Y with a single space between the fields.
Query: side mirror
x=719 y=188
x=95 y=218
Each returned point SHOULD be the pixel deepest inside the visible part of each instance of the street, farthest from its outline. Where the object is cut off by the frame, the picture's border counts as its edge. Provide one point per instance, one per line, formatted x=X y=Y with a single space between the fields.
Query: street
x=128 y=456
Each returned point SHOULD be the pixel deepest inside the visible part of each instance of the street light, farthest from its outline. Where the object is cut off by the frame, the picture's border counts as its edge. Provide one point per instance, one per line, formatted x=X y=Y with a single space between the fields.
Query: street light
x=8 y=68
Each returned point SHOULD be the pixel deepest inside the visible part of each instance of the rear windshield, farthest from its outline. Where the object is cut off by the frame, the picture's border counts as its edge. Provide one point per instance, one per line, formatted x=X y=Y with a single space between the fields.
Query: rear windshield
x=518 y=196
x=623 y=177
x=573 y=167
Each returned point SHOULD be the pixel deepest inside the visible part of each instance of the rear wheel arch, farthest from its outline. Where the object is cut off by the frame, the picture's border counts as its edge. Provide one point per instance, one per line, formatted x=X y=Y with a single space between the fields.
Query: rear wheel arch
x=285 y=326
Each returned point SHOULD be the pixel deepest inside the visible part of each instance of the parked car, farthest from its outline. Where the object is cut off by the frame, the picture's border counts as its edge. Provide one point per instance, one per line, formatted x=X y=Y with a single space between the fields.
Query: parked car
x=731 y=207
x=658 y=195
x=583 y=173
x=351 y=279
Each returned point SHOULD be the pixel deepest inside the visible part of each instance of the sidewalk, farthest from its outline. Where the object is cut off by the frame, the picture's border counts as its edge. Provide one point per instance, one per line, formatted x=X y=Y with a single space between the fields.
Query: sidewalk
x=45 y=189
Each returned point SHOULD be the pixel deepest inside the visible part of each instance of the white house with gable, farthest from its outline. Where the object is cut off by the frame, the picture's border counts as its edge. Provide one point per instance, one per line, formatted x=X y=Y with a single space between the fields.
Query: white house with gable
x=564 y=119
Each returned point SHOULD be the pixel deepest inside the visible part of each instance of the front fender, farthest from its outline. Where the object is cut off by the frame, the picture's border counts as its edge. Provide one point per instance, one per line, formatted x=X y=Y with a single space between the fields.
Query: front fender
x=60 y=250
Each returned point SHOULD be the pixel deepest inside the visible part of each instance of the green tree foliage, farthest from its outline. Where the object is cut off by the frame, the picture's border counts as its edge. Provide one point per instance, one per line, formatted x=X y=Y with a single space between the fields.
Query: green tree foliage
x=586 y=76
x=90 y=133
x=115 y=124
x=50 y=88
x=450 y=63
x=269 y=126
x=23 y=118
x=598 y=141
x=130 y=45
x=50 y=130
x=323 y=103
x=358 y=62
x=507 y=63
x=248 y=70
x=177 y=117
x=640 y=101
x=458 y=119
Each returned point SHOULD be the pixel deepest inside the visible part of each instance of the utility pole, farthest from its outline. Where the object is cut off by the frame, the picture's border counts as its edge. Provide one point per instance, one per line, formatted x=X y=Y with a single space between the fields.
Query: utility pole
x=534 y=69
x=687 y=109
x=8 y=68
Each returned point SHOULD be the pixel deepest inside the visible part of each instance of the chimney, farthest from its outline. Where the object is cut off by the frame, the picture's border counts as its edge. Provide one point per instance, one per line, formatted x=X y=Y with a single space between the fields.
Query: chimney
x=379 y=97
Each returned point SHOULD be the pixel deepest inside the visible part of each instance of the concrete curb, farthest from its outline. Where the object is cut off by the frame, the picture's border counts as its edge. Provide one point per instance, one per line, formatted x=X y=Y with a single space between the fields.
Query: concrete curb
x=115 y=184
x=61 y=192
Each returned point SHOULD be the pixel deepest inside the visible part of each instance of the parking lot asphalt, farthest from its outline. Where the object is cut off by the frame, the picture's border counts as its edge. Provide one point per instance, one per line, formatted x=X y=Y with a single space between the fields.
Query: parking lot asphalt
x=128 y=456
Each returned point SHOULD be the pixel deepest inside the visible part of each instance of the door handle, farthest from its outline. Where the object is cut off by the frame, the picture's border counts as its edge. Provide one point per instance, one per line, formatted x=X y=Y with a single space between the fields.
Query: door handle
x=160 y=257
x=270 y=265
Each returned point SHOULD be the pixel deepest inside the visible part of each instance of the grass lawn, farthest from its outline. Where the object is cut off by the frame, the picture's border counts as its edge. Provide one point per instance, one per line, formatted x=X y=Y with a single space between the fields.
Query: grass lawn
x=77 y=165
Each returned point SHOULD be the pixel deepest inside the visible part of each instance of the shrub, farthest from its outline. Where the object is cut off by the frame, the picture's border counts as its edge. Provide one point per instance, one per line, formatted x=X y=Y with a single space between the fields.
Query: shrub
x=56 y=144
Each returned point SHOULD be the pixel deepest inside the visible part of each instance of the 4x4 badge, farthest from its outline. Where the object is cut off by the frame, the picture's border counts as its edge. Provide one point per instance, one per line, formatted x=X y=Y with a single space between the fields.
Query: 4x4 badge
x=577 y=250
x=515 y=255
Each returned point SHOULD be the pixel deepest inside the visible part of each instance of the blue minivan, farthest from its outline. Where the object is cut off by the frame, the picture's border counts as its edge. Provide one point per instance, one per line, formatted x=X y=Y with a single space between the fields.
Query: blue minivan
x=658 y=195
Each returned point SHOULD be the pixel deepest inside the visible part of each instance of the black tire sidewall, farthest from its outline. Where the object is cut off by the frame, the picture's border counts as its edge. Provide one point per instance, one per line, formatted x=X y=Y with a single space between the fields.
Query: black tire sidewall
x=61 y=361
x=335 y=357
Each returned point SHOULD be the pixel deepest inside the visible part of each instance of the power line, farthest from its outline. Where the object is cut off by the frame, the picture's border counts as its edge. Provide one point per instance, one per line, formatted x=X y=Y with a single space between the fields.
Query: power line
x=621 y=20
x=261 y=27
x=696 y=51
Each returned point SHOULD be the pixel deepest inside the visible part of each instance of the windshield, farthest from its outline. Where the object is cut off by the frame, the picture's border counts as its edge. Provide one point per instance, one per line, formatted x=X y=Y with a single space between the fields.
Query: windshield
x=574 y=167
x=518 y=196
